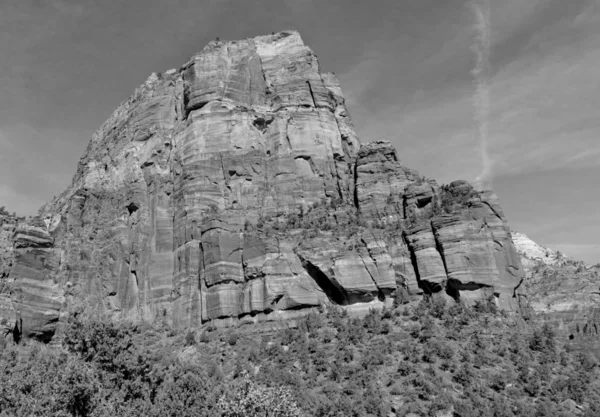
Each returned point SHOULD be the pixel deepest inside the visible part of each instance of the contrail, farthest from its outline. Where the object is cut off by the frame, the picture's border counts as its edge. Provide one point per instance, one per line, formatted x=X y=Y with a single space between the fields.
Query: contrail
x=481 y=79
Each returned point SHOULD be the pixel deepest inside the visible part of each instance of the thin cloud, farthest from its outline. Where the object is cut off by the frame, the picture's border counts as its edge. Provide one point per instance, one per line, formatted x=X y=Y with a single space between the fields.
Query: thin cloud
x=543 y=113
x=587 y=157
x=549 y=108
x=404 y=66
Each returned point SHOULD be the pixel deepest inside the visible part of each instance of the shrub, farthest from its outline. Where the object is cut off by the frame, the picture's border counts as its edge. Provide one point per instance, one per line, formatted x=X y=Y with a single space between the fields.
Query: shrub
x=486 y=305
x=372 y=322
x=190 y=339
x=312 y=324
x=289 y=336
x=543 y=340
x=249 y=399
x=405 y=368
x=232 y=339
x=124 y=369
x=465 y=375
x=498 y=382
x=204 y=338
x=437 y=307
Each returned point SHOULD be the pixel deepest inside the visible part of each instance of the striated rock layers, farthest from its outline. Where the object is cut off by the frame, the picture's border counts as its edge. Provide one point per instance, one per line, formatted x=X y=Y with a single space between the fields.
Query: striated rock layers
x=235 y=189
x=566 y=296
x=560 y=291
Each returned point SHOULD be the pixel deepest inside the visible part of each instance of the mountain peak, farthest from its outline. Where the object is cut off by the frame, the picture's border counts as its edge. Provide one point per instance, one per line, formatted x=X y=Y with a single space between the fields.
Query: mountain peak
x=234 y=190
x=535 y=253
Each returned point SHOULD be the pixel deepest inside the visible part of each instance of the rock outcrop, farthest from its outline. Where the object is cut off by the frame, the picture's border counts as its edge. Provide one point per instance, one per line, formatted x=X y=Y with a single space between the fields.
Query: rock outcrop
x=533 y=254
x=567 y=297
x=559 y=290
x=235 y=190
x=36 y=298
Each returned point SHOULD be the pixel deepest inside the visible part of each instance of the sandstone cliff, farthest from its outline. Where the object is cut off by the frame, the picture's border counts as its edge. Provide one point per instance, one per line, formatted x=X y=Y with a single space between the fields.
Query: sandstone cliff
x=235 y=190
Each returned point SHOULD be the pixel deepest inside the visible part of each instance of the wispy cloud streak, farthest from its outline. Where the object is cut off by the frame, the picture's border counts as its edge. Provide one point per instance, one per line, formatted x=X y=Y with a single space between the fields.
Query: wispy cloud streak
x=481 y=79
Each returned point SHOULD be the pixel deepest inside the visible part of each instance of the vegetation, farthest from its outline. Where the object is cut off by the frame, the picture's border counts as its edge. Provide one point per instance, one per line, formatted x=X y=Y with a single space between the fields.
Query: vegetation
x=334 y=217
x=4 y=212
x=338 y=218
x=452 y=198
x=425 y=359
x=5 y=215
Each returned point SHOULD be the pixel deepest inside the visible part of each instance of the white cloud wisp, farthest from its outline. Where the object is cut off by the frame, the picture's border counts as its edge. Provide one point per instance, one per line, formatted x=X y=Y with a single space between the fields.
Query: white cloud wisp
x=481 y=79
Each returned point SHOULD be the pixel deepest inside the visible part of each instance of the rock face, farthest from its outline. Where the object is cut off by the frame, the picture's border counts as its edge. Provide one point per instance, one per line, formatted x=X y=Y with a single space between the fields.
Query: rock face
x=532 y=253
x=567 y=297
x=235 y=190
x=559 y=290
x=30 y=297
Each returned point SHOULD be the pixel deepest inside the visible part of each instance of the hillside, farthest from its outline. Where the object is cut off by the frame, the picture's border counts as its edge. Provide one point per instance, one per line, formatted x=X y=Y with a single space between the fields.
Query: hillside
x=561 y=291
x=419 y=359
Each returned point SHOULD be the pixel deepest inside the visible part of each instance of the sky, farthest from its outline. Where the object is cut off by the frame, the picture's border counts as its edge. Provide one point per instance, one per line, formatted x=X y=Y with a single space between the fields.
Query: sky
x=405 y=67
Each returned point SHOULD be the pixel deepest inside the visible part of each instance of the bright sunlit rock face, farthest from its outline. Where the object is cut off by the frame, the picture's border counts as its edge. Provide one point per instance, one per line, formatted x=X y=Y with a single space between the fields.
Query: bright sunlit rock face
x=164 y=218
x=532 y=253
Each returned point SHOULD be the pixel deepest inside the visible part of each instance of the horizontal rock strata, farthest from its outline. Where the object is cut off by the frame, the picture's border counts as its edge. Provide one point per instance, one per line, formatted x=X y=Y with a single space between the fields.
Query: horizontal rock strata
x=560 y=291
x=235 y=190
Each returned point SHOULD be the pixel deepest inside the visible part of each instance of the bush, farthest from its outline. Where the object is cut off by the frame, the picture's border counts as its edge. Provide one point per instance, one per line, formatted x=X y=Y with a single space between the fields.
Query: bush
x=543 y=340
x=111 y=369
x=372 y=322
x=465 y=375
x=437 y=307
x=289 y=336
x=204 y=338
x=486 y=305
x=190 y=339
x=498 y=382
x=312 y=324
x=249 y=399
x=233 y=338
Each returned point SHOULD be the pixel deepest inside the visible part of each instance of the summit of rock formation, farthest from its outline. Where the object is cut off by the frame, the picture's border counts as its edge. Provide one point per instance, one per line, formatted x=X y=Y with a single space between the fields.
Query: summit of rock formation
x=234 y=190
x=533 y=253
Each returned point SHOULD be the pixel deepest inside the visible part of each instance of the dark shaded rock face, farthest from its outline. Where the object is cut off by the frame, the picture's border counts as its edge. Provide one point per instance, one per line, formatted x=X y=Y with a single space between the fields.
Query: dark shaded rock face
x=235 y=190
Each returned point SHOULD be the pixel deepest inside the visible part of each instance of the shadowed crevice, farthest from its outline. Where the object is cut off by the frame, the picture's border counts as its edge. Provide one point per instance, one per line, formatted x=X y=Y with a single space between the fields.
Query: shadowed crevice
x=333 y=292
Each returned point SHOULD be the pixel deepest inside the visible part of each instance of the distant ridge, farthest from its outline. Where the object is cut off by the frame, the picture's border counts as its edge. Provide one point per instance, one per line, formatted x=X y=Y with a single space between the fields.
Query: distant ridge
x=534 y=252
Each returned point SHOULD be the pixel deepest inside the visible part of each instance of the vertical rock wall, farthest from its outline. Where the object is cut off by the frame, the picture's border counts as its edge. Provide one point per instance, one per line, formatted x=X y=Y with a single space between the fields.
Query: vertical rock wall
x=235 y=189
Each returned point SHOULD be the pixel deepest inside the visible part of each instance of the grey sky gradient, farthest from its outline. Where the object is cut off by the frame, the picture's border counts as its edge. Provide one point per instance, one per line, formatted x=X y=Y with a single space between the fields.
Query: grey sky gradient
x=404 y=66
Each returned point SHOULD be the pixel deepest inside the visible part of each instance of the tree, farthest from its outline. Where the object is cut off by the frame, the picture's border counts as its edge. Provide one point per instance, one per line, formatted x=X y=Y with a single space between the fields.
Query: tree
x=249 y=399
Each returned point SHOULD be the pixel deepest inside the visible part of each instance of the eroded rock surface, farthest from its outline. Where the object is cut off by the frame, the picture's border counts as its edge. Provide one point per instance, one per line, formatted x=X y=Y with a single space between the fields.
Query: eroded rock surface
x=235 y=190
x=567 y=297
x=560 y=291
